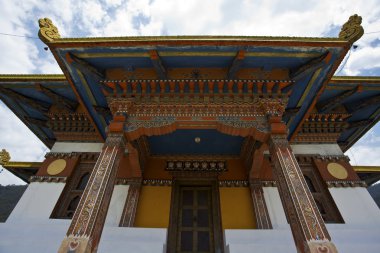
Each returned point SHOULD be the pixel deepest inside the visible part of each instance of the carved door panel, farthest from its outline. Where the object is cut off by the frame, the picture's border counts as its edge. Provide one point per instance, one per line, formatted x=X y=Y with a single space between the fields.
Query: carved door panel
x=195 y=220
x=195 y=227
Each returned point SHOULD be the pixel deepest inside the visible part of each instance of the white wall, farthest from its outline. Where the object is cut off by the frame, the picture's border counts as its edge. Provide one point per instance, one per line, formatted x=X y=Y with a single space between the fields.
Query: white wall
x=315 y=149
x=37 y=203
x=115 y=209
x=30 y=229
x=68 y=147
x=361 y=230
x=275 y=208
x=356 y=206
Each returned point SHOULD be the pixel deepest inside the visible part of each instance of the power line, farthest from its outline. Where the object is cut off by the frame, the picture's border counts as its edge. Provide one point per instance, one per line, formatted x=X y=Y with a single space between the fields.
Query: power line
x=372 y=32
x=23 y=36
x=344 y=63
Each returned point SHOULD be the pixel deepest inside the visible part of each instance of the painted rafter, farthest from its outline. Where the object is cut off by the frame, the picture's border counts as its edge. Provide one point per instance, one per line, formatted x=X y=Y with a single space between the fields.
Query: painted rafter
x=104 y=111
x=59 y=100
x=289 y=112
x=236 y=63
x=310 y=66
x=157 y=64
x=35 y=121
x=85 y=66
x=37 y=104
x=333 y=102
x=360 y=123
x=367 y=102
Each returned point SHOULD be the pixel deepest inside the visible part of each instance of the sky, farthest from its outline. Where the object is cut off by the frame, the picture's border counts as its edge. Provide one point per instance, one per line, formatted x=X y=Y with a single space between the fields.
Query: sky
x=24 y=53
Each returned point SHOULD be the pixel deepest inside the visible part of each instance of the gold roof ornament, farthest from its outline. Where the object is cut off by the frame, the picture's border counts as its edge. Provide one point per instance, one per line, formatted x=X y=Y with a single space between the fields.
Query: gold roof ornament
x=352 y=29
x=4 y=157
x=48 y=31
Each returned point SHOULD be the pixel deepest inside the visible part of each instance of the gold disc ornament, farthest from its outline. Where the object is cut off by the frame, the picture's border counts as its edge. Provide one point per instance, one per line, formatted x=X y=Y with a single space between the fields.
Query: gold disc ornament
x=56 y=167
x=336 y=170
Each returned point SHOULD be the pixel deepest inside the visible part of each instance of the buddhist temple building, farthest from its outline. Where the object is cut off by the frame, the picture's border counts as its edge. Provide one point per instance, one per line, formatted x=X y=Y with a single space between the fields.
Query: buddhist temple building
x=194 y=144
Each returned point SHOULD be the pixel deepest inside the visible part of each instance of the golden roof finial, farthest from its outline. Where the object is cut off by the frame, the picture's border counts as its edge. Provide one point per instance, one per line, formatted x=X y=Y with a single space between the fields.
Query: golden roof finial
x=48 y=31
x=4 y=157
x=352 y=29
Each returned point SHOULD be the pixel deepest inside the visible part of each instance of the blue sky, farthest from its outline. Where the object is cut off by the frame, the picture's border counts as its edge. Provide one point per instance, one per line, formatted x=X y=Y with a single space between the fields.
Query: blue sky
x=314 y=18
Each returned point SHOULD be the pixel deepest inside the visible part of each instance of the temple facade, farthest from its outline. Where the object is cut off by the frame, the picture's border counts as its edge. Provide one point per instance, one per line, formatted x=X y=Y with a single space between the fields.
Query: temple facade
x=194 y=144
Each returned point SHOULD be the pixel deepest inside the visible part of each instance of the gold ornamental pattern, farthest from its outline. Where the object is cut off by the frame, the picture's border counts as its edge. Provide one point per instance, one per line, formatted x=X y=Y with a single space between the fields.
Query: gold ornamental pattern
x=352 y=29
x=48 y=31
x=304 y=218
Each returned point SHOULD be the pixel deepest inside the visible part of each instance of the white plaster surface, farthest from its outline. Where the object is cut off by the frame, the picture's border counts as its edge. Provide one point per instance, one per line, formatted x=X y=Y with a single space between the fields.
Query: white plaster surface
x=68 y=147
x=37 y=203
x=361 y=229
x=275 y=208
x=29 y=228
x=115 y=209
x=259 y=240
x=139 y=240
x=314 y=149
x=357 y=207
x=320 y=149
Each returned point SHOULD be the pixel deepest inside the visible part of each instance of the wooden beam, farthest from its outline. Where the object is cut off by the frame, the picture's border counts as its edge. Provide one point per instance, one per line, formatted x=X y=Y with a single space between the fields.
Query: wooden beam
x=360 y=123
x=104 y=111
x=58 y=100
x=310 y=66
x=333 y=102
x=235 y=65
x=367 y=169
x=157 y=64
x=38 y=122
x=35 y=103
x=85 y=66
x=367 y=102
x=290 y=112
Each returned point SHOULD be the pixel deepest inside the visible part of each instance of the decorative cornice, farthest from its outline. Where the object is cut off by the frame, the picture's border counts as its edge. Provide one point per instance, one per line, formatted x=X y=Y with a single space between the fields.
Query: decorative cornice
x=269 y=183
x=128 y=181
x=36 y=77
x=233 y=183
x=366 y=169
x=82 y=155
x=47 y=179
x=157 y=182
x=346 y=183
x=333 y=157
x=199 y=39
x=196 y=166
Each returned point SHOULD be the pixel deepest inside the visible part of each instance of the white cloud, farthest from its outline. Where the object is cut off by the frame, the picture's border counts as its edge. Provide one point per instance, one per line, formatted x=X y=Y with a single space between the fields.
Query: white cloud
x=171 y=17
x=19 y=141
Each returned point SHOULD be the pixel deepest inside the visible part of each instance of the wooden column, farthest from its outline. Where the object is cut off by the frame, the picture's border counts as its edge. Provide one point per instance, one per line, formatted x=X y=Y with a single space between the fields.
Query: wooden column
x=259 y=205
x=130 y=207
x=308 y=228
x=87 y=224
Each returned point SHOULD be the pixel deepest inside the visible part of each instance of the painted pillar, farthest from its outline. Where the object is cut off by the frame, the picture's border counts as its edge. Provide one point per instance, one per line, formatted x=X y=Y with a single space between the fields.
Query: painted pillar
x=130 y=207
x=259 y=205
x=308 y=228
x=87 y=224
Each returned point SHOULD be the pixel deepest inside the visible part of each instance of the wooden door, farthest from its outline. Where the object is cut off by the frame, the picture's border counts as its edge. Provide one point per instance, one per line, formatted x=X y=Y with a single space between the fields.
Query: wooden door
x=195 y=221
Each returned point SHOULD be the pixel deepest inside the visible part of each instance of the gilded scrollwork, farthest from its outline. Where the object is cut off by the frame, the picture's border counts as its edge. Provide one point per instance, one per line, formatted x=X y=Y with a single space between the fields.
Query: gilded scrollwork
x=4 y=157
x=352 y=29
x=48 y=31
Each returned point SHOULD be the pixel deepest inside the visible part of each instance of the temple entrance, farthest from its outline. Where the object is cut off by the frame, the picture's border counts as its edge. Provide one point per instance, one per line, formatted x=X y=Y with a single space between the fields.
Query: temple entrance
x=195 y=219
